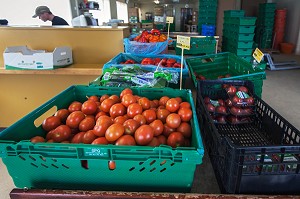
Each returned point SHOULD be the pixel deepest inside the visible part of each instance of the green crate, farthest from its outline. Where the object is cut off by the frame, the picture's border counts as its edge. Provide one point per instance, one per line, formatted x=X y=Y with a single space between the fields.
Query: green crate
x=199 y=45
x=266 y=23
x=215 y=65
x=208 y=13
x=241 y=44
x=240 y=51
x=234 y=13
x=208 y=8
x=247 y=58
x=262 y=14
x=207 y=20
x=240 y=21
x=239 y=36
x=267 y=6
x=239 y=29
x=208 y=3
x=85 y=166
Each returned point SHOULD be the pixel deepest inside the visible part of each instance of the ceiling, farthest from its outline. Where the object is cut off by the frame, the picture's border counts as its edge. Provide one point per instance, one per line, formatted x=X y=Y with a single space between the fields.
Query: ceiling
x=165 y=1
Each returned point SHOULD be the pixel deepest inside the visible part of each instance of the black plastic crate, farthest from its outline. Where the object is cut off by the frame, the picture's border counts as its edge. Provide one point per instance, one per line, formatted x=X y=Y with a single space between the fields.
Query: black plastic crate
x=262 y=157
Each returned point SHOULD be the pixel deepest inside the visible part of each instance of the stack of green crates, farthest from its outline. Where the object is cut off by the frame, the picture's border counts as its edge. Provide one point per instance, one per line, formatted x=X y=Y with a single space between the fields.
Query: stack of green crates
x=238 y=34
x=207 y=13
x=265 y=24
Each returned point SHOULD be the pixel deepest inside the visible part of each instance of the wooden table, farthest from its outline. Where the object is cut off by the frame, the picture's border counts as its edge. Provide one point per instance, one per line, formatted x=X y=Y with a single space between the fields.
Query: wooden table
x=68 y=194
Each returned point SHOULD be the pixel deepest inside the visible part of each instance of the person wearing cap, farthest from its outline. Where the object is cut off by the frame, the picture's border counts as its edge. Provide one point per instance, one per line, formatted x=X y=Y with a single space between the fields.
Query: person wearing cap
x=44 y=13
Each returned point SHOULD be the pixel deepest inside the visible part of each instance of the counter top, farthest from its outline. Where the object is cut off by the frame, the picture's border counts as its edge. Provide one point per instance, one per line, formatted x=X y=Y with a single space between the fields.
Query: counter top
x=75 y=69
x=85 y=28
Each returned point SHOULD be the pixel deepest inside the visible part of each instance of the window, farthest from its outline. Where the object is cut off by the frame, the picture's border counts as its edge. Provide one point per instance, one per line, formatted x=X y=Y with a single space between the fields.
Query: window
x=122 y=11
x=103 y=14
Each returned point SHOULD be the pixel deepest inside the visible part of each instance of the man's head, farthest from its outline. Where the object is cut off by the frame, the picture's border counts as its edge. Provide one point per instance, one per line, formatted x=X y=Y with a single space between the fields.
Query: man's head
x=43 y=12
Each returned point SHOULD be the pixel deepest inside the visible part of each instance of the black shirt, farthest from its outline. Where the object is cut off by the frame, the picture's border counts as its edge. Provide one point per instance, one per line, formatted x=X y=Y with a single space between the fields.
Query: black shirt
x=58 y=21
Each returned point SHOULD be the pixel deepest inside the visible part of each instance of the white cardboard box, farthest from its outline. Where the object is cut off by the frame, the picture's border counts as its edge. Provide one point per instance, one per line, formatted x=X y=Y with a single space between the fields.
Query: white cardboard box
x=23 y=58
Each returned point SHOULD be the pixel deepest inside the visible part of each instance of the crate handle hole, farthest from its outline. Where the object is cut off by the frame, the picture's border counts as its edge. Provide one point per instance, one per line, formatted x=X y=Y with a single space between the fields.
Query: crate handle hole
x=38 y=121
x=84 y=164
x=111 y=165
x=140 y=163
x=132 y=168
x=54 y=166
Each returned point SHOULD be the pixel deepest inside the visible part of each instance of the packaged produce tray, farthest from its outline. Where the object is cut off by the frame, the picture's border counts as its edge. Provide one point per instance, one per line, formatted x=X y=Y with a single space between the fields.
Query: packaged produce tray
x=262 y=157
x=122 y=57
x=85 y=166
x=215 y=65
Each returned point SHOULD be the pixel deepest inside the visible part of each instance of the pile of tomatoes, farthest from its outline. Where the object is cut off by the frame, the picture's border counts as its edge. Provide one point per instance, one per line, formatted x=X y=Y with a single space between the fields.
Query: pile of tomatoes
x=126 y=119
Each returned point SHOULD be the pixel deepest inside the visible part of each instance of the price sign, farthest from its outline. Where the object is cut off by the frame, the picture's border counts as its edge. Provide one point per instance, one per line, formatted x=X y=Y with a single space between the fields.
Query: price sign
x=258 y=55
x=170 y=20
x=183 y=42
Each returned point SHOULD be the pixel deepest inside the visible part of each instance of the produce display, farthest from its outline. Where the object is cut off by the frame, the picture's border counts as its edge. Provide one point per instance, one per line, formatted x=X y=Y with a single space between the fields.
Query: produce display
x=163 y=62
x=133 y=75
x=126 y=119
x=150 y=36
x=237 y=108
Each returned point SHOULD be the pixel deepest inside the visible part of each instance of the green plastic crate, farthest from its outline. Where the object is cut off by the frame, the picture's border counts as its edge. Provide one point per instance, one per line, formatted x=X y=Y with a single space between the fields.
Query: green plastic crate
x=208 y=3
x=247 y=58
x=267 y=6
x=262 y=14
x=240 y=21
x=207 y=20
x=234 y=13
x=238 y=36
x=208 y=8
x=241 y=44
x=212 y=66
x=239 y=29
x=85 y=166
x=208 y=13
x=240 y=51
x=199 y=45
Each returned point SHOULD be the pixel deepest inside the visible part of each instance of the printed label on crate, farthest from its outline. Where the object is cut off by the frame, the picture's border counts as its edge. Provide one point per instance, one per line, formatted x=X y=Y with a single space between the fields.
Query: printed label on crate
x=170 y=19
x=183 y=42
x=258 y=55
x=95 y=152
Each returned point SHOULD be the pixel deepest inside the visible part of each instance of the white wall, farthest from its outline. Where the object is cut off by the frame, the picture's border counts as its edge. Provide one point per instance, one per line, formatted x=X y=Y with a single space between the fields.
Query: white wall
x=20 y=12
x=292 y=30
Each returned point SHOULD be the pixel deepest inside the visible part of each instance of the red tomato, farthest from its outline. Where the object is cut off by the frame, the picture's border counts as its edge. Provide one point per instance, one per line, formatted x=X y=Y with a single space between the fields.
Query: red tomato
x=120 y=119
x=103 y=97
x=106 y=105
x=61 y=133
x=131 y=126
x=112 y=165
x=51 y=123
x=185 y=129
x=117 y=110
x=162 y=139
x=178 y=99
x=37 y=139
x=144 y=102
x=128 y=99
x=114 y=132
x=100 y=114
x=101 y=140
x=156 y=102
x=175 y=139
x=126 y=91
x=102 y=125
x=89 y=107
x=172 y=105
x=163 y=100
x=89 y=137
x=62 y=114
x=93 y=98
x=144 y=134
x=185 y=114
x=167 y=130
x=185 y=104
x=115 y=98
x=74 y=119
x=150 y=115
x=49 y=135
x=154 y=142
x=173 y=120
x=157 y=126
x=126 y=140
x=78 y=137
x=74 y=106
x=134 y=109
x=140 y=119
x=187 y=142
x=162 y=114
x=87 y=124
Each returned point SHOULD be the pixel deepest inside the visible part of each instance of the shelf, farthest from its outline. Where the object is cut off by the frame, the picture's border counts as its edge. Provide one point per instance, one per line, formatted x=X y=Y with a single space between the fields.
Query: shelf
x=75 y=69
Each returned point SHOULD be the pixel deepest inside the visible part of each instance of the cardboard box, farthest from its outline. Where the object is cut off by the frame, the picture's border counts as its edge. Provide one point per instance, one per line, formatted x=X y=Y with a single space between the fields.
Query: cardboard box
x=133 y=12
x=135 y=25
x=23 y=58
x=158 y=11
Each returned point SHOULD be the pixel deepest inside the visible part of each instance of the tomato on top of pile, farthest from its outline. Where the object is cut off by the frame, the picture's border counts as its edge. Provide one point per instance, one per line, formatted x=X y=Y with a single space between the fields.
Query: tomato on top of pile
x=149 y=37
x=127 y=119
